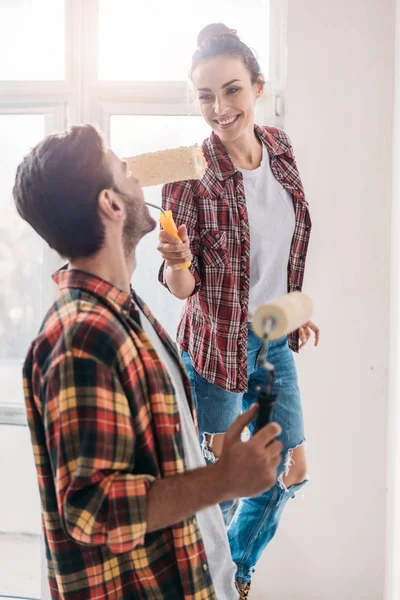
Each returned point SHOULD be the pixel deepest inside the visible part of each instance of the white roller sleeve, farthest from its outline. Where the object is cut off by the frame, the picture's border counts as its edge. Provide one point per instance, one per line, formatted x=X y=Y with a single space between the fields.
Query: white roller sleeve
x=290 y=312
x=167 y=166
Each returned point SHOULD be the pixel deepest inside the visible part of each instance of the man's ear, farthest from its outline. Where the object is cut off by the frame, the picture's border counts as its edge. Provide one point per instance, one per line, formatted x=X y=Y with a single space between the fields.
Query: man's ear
x=111 y=205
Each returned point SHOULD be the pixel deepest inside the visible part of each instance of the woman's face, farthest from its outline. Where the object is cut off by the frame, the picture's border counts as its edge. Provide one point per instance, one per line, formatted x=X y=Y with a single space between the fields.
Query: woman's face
x=226 y=95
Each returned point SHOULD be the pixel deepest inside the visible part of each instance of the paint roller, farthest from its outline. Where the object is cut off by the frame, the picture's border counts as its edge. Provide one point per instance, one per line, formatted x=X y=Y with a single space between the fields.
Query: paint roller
x=168 y=166
x=272 y=321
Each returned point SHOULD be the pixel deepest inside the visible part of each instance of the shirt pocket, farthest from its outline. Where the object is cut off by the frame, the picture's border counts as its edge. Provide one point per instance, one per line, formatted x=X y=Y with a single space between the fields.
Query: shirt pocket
x=214 y=249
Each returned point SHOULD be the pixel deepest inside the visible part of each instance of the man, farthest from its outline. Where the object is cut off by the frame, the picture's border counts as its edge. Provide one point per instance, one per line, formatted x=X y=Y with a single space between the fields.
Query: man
x=129 y=509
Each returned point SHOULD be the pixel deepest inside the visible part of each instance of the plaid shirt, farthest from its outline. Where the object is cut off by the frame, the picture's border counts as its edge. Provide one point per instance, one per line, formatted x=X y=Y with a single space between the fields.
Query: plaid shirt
x=214 y=324
x=105 y=424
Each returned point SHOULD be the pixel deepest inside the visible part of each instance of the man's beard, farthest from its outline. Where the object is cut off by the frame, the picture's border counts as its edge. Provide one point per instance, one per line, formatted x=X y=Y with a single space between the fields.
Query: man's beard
x=137 y=224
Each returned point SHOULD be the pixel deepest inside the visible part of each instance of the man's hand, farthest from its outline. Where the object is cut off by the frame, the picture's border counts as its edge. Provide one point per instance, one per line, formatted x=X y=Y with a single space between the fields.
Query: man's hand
x=173 y=251
x=305 y=334
x=249 y=468
x=244 y=469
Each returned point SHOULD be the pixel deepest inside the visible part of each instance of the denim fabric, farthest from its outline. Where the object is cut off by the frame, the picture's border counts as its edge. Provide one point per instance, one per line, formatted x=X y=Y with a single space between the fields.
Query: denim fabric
x=252 y=521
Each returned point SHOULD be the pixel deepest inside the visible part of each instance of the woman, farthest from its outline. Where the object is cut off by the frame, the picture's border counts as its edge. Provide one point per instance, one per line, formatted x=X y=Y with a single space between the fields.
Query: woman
x=245 y=228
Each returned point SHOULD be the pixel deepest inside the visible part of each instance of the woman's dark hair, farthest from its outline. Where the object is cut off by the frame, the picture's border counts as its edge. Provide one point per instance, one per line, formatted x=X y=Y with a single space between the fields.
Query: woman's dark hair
x=57 y=187
x=217 y=39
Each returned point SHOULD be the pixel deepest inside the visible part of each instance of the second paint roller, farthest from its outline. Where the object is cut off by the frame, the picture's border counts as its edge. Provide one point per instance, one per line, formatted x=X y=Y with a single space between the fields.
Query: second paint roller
x=272 y=321
x=168 y=166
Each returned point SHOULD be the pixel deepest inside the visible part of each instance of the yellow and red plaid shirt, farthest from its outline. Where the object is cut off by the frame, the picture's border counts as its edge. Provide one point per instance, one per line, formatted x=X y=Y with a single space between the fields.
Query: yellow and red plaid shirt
x=213 y=328
x=105 y=424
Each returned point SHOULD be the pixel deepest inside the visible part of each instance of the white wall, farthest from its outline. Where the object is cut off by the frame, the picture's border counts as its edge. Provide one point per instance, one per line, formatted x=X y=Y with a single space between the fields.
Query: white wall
x=331 y=544
x=393 y=513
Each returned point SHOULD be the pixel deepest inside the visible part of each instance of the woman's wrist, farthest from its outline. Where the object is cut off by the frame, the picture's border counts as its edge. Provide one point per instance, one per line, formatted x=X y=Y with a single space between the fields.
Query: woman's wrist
x=180 y=281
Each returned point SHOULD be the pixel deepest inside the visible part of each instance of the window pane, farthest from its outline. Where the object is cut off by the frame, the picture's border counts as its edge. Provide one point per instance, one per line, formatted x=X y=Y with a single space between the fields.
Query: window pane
x=19 y=496
x=31 y=40
x=134 y=46
x=19 y=515
x=20 y=566
x=21 y=258
x=135 y=134
x=131 y=135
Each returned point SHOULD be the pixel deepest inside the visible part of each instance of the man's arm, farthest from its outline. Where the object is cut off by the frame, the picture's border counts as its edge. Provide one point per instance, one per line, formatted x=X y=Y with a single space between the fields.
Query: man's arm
x=244 y=469
x=92 y=446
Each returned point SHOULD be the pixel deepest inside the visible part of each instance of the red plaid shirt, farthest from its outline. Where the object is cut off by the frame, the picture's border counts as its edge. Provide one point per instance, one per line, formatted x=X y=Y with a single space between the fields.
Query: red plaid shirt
x=105 y=424
x=214 y=324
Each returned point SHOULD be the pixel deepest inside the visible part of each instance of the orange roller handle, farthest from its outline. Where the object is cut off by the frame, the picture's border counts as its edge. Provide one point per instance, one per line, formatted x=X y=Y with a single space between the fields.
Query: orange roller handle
x=168 y=224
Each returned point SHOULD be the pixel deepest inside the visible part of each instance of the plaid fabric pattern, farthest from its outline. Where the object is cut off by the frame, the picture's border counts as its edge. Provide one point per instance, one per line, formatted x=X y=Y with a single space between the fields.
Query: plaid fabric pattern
x=213 y=325
x=104 y=424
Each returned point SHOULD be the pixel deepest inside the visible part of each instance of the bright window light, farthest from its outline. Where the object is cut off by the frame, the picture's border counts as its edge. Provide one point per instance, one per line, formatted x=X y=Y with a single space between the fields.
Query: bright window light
x=21 y=257
x=154 y=40
x=32 y=40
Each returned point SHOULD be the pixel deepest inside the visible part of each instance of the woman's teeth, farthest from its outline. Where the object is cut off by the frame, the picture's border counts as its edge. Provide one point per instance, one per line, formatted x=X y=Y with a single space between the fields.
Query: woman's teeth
x=227 y=121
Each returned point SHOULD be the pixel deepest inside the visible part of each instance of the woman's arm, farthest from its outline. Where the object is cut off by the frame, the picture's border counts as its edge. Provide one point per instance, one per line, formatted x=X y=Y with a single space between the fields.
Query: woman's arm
x=180 y=281
x=179 y=198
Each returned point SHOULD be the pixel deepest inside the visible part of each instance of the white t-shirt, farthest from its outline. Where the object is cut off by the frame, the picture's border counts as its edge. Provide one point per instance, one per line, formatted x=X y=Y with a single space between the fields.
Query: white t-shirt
x=272 y=223
x=210 y=520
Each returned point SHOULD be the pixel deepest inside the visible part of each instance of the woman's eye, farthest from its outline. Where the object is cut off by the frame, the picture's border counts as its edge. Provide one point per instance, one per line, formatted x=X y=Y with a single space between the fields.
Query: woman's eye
x=232 y=90
x=205 y=97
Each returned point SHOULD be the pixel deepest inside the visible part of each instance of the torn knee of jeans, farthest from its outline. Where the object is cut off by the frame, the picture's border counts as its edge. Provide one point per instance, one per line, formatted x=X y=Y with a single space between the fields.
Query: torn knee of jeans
x=296 y=487
x=287 y=464
x=206 y=446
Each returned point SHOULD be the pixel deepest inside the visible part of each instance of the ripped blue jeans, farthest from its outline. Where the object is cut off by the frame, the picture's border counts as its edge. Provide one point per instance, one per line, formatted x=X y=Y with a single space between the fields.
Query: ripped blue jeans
x=253 y=521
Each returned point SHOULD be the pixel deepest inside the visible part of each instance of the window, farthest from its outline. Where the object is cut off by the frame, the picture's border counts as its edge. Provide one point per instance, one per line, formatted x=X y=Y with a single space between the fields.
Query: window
x=19 y=516
x=163 y=46
x=22 y=268
x=21 y=256
x=112 y=63
x=21 y=272
x=30 y=49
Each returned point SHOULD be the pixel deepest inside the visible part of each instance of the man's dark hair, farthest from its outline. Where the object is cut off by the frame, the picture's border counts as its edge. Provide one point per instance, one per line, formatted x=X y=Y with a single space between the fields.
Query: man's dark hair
x=57 y=187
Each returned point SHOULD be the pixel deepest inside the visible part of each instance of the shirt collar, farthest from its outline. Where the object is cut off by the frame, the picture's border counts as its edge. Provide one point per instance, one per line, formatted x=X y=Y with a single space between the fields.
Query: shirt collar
x=219 y=160
x=67 y=279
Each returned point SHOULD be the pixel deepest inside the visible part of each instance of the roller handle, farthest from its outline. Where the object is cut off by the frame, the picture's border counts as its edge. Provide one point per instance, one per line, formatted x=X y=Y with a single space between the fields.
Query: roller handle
x=266 y=404
x=168 y=224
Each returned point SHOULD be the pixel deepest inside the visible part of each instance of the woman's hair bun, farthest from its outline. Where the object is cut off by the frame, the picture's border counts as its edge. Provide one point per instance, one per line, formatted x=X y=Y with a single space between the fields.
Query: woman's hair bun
x=214 y=30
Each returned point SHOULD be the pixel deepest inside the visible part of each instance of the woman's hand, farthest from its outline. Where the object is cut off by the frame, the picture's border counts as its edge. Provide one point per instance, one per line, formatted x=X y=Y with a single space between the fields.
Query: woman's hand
x=175 y=252
x=305 y=334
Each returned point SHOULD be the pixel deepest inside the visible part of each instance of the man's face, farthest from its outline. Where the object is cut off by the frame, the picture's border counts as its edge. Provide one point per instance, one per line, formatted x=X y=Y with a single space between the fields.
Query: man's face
x=138 y=221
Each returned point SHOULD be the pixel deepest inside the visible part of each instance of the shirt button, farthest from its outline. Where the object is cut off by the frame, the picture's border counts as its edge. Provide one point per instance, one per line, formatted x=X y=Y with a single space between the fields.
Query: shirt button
x=205 y=567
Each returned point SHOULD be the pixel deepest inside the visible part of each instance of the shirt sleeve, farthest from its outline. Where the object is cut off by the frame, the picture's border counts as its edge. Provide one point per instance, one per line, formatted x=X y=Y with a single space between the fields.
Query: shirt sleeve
x=92 y=443
x=179 y=198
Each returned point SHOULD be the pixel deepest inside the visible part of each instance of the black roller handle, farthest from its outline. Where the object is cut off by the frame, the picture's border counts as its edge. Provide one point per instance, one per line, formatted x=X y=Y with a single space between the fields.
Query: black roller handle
x=266 y=403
